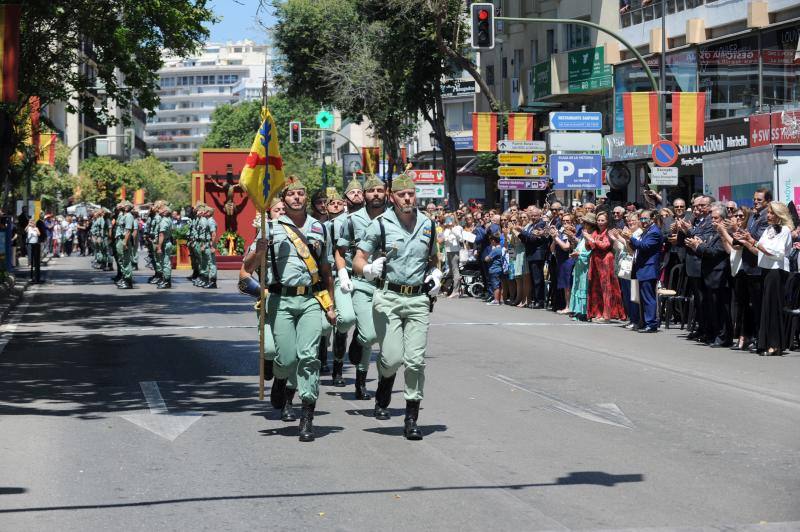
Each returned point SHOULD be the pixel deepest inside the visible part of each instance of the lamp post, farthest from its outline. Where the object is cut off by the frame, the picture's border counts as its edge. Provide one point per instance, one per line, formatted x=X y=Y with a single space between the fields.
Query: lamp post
x=432 y=137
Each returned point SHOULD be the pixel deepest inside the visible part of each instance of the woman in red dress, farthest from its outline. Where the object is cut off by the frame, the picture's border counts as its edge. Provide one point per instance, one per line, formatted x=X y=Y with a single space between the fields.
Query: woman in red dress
x=605 y=297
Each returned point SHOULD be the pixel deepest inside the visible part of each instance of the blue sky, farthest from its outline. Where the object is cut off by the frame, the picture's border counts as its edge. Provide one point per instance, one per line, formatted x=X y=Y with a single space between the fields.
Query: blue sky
x=239 y=20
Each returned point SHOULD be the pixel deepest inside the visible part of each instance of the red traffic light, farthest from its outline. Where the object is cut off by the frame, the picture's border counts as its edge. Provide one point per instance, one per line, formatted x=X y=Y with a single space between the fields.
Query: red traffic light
x=295 y=126
x=483 y=14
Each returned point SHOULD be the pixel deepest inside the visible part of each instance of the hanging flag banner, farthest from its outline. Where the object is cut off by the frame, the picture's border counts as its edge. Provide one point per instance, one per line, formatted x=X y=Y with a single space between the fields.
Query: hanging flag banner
x=138 y=196
x=9 y=51
x=262 y=176
x=371 y=159
x=688 y=118
x=641 y=118
x=123 y=194
x=47 y=149
x=520 y=126
x=484 y=131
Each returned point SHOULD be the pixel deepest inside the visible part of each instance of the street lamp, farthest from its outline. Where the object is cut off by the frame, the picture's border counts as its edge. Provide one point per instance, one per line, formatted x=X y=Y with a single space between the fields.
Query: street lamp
x=432 y=136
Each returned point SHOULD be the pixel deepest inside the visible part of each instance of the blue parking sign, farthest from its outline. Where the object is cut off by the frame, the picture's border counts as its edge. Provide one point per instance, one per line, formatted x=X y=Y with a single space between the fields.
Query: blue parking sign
x=576 y=172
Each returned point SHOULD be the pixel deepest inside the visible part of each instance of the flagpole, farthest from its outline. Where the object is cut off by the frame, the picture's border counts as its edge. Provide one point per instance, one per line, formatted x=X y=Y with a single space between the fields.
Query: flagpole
x=262 y=313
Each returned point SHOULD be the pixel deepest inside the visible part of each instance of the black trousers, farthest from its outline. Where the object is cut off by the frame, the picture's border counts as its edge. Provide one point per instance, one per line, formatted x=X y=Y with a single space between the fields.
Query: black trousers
x=717 y=314
x=771 y=331
x=35 y=261
x=696 y=288
x=536 y=268
x=744 y=323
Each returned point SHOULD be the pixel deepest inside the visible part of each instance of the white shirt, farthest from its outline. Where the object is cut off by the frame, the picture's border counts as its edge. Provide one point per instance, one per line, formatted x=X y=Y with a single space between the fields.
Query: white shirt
x=779 y=246
x=453 y=238
x=32 y=235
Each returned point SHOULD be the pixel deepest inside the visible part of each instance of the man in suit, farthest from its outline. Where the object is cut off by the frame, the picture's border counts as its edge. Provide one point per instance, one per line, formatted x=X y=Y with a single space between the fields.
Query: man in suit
x=536 y=240
x=674 y=254
x=716 y=275
x=647 y=267
x=756 y=227
x=700 y=227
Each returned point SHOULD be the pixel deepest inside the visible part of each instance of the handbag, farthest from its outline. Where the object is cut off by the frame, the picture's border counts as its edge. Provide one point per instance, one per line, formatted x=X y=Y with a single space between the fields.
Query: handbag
x=625 y=266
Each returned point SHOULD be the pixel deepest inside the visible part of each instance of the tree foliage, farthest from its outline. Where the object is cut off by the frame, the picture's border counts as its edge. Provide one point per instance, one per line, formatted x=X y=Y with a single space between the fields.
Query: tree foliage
x=102 y=178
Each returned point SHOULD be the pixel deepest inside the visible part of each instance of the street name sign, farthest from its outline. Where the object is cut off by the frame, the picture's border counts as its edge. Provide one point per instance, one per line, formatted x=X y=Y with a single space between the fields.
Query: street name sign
x=576 y=172
x=665 y=176
x=522 y=184
x=521 y=171
x=521 y=145
x=569 y=121
x=576 y=142
x=427 y=176
x=521 y=158
x=430 y=191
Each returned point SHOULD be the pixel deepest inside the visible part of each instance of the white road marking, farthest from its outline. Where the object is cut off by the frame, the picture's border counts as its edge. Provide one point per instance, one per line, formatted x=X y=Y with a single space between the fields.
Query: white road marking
x=606 y=413
x=515 y=324
x=159 y=421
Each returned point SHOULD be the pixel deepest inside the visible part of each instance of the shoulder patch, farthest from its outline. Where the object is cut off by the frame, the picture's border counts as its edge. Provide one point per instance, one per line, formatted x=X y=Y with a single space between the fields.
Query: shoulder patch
x=426 y=231
x=316 y=228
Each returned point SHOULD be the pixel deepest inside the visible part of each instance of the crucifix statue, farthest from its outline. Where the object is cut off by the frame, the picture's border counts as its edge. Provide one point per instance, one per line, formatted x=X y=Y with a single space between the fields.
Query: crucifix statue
x=230 y=208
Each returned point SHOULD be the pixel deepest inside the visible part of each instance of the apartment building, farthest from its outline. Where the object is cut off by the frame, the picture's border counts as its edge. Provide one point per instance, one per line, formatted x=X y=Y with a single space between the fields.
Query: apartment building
x=191 y=88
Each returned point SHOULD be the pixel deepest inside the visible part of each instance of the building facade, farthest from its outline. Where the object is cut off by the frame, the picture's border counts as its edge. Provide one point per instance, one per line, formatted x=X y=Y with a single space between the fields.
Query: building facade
x=191 y=88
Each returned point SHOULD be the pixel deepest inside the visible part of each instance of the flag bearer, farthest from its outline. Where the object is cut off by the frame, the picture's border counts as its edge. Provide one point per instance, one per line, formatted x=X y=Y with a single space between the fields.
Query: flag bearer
x=355 y=290
x=402 y=245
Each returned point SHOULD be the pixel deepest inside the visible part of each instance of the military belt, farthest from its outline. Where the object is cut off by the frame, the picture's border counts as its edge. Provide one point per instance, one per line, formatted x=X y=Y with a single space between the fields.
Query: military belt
x=290 y=290
x=402 y=289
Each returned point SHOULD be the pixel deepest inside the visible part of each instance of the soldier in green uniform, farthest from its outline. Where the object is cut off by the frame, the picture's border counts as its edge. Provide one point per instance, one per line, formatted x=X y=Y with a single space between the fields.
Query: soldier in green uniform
x=300 y=295
x=401 y=243
x=334 y=209
x=124 y=244
x=151 y=236
x=117 y=233
x=95 y=230
x=356 y=292
x=107 y=246
x=164 y=245
x=134 y=259
x=208 y=268
x=191 y=242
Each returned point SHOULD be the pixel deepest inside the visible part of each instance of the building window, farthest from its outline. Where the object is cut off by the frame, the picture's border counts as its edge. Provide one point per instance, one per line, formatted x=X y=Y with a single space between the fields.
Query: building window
x=458 y=116
x=729 y=74
x=551 y=42
x=490 y=75
x=576 y=36
x=780 y=68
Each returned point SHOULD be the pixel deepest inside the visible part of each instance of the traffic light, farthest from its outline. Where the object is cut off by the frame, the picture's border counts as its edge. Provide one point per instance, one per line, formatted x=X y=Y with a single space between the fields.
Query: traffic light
x=295 y=132
x=482 y=26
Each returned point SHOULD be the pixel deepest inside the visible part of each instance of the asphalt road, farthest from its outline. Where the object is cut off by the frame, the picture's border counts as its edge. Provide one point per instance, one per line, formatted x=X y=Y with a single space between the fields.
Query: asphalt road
x=137 y=410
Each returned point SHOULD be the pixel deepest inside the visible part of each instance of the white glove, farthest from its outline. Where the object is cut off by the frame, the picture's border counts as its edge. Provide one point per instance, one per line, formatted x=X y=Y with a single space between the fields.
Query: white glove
x=344 y=281
x=436 y=277
x=375 y=269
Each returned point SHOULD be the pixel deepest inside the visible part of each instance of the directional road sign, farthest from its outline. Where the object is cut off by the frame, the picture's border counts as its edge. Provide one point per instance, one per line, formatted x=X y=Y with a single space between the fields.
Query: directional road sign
x=521 y=158
x=576 y=121
x=430 y=191
x=665 y=153
x=664 y=176
x=576 y=172
x=427 y=176
x=576 y=142
x=522 y=184
x=324 y=119
x=521 y=171
x=521 y=145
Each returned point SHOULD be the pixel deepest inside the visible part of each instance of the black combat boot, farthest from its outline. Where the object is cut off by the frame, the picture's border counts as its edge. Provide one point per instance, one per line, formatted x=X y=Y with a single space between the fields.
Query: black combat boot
x=322 y=355
x=193 y=276
x=277 y=395
x=338 y=381
x=306 y=422
x=287 y=412
x=410 y=429
x=361 y=386
x=155 y=279
x=383 y=396
x=212 y=283
x=125 y=284
x=165 y=283
x=201 y=282
x=354 y=351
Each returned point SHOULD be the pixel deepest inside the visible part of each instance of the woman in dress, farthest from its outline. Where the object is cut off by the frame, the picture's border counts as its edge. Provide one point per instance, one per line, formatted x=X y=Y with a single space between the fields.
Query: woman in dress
x=580 y=271
x=743 y=322
x=522 y=274
x=605 y=298
x=57 y=235
x=773 y=250
x=562 y=246
x=624 y=266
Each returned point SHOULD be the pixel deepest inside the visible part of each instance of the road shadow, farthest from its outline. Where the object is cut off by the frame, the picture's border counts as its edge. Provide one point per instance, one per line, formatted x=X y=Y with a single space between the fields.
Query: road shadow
x=591 y=478
x=12 y=491
x=398 y=430
x=293 y=430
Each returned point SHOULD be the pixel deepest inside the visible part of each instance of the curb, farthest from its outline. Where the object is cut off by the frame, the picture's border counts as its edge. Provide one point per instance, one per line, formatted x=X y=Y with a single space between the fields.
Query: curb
x=11 y=299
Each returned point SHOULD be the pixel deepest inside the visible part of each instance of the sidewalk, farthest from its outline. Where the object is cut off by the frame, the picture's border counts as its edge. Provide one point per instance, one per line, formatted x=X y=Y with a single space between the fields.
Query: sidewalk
x=11 y=291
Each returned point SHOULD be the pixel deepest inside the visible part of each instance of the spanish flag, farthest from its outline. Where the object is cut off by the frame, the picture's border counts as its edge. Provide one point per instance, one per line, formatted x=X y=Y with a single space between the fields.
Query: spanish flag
x=122 y=193
x=9 y=51
x=484 y=131
x=262 y=176
x=520 y=126
x=138 y=196
x=370 y=159
x=47 y=149
x=688 y=118
x=640 y=110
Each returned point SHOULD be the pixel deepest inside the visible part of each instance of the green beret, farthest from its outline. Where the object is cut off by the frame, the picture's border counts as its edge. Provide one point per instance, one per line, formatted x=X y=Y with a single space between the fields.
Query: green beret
x=332 y=194
x=403 y=182
x=292 y=183
x=354 y=184
x=373 y=182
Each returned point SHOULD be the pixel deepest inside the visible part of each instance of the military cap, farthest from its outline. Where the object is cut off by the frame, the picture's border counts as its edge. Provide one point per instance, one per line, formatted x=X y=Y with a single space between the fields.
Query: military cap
x=354 y=184
x=372 y=182
x=403 y=182
x=275 y=201
x=332 y=194
x=292 y=183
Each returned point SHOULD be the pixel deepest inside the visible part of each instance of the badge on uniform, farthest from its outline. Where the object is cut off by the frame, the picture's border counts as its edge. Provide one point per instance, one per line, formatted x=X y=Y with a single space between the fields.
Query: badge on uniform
x=426 y=232
x=316 y=228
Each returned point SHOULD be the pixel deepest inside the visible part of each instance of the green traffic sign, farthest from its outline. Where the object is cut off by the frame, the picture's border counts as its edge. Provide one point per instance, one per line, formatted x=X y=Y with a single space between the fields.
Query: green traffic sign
x=587 y=70
x=324 y=119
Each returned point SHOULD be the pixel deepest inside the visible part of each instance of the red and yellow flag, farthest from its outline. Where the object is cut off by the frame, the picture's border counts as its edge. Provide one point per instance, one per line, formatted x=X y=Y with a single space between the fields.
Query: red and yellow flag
x=688 y=118
x=9 y=51
x=641 y=118
x=262 y=176
x=47 y=149
x=484 y=131
x=138 y=196
x=370 y=159
x=122 y=193
x=520 y=126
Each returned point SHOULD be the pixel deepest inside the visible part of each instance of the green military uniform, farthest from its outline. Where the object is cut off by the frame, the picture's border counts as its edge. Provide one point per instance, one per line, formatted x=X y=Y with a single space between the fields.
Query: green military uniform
x=125 y=222
x=151 y=233
x=96 y=230
x=164 y=258
x=400 y=306
x=118 y=234
x=107 y=242
x=134 y=241
x=193 y=244
x=208 y=264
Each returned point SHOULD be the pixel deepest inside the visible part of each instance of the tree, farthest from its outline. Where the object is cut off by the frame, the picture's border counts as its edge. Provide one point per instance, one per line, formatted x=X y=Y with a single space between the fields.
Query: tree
x=101 y=179
x=124 y=37
x=53 y=185
x=159 y=181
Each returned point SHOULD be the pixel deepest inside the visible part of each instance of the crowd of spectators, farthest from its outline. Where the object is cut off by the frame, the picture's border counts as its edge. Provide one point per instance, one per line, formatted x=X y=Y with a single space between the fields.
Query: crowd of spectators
x=728 y=265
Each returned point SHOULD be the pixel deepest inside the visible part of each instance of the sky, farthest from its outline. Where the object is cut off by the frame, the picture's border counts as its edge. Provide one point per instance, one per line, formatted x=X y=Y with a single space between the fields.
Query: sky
x=238 y=20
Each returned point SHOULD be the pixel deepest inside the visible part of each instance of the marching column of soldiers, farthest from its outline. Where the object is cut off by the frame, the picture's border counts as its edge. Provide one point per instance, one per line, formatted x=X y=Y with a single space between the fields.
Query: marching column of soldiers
x=386 y=279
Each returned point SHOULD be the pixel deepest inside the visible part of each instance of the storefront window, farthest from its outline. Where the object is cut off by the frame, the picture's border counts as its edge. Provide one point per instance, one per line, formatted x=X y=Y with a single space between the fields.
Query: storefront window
x=780 y=67
x=729 y=75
